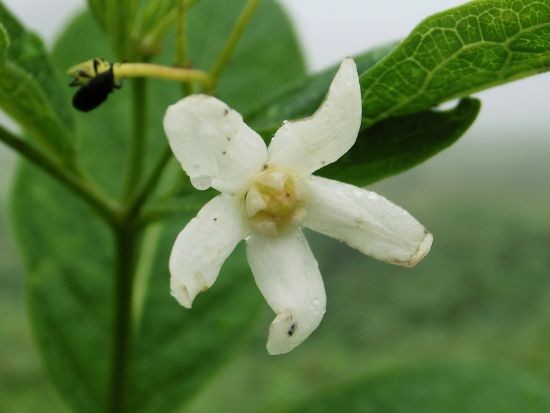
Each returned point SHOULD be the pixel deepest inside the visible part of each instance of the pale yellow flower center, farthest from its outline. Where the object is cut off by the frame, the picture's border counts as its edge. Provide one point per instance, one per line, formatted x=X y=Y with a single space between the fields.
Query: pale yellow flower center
x=274 y=202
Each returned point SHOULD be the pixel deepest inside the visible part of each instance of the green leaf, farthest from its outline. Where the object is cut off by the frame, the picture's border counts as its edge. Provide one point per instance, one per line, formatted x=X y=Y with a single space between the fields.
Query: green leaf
x=301 y=98
x=69 y=254
x=448 y=388
x=4 y=42
x=397 y=144
x=97 y=8
x=455 y=53
x=30 y=90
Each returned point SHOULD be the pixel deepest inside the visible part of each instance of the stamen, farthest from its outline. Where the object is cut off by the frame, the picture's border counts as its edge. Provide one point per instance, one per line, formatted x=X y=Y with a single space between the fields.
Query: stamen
x=274 y=202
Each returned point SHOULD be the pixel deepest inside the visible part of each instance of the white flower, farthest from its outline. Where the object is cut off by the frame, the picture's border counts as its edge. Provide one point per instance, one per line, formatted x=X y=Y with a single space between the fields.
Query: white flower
x=268 y=195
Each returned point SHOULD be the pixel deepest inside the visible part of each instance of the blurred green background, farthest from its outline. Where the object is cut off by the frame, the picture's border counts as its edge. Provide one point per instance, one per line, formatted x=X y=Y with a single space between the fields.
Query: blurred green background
x=481 y=296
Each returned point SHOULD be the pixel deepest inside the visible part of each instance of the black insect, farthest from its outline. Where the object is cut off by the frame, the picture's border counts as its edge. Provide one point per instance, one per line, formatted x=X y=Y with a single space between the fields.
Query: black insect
x=96 y=80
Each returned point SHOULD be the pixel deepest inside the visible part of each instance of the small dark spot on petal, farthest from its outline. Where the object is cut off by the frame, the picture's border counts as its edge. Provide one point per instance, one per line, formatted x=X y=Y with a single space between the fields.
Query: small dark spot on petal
x=226 y=112
x=323 y=162
x=265 y=167
x=229 y=139
x=215 y=219
x=292 y=329
x=224 y=153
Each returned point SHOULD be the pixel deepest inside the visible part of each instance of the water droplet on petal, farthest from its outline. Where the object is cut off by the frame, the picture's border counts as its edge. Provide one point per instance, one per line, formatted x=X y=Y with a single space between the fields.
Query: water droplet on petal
x=201 y=182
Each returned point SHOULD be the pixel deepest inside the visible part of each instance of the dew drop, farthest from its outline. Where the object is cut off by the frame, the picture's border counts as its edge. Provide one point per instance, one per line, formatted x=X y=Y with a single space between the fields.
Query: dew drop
x=201 y=182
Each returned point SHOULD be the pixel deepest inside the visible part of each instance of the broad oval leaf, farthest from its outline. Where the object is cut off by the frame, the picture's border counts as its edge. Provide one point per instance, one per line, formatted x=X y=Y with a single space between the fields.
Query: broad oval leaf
x=69 y=253
x=456 y=53
x=448 y=388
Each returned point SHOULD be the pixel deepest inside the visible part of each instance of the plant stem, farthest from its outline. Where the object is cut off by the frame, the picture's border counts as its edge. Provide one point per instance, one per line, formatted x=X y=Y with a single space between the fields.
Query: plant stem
x=126 y=243
x=156 y=214
x=78 y=184
x=181 y=45
x=150 y=184
x=138 y=142
x=152 y=39
x=232 y=41
x=135 y=218
x=181 y=49
x=160 y=72
x=163 y=209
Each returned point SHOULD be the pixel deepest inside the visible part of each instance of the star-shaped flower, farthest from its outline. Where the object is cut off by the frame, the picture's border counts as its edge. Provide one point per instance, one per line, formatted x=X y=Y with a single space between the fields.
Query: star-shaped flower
x=269 y=194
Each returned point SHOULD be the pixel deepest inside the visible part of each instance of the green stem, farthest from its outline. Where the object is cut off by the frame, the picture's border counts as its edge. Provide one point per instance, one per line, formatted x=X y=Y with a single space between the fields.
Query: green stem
x=157 y=214
x=133 y=70
x=78 y=184
x=126 y=244
x=232 y=41
x=151 y=182
x=181 y=46
x=138 y=143
x=163 y=210
x=181 y=50
x=152 y=39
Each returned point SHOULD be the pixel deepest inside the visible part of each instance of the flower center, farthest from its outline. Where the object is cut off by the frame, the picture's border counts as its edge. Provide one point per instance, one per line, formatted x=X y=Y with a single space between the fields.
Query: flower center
x=274 y=202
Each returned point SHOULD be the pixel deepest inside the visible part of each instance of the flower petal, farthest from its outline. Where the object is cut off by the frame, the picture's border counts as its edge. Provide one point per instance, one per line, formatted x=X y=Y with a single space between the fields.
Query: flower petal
x=213 y=144
x=366 y=221
x=309 y=144
x=288 y=276
x=202 y=247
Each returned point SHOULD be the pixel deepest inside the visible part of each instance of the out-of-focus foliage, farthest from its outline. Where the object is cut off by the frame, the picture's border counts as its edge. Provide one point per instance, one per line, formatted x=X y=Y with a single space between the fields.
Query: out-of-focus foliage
x=449 y=388
x=118 y=18
x=4 y=42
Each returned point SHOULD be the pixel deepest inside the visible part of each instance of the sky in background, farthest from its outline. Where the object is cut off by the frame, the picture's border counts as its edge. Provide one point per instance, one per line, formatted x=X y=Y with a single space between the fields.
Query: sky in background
x=330 y=30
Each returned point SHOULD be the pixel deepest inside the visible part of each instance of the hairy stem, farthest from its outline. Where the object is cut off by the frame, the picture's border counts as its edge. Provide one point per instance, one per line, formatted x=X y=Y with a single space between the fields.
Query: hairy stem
x=232 y=41
x=77 y=183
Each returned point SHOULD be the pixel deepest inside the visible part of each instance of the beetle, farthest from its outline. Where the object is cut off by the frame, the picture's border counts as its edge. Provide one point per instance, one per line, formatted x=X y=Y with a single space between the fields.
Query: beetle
x=96 y=80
